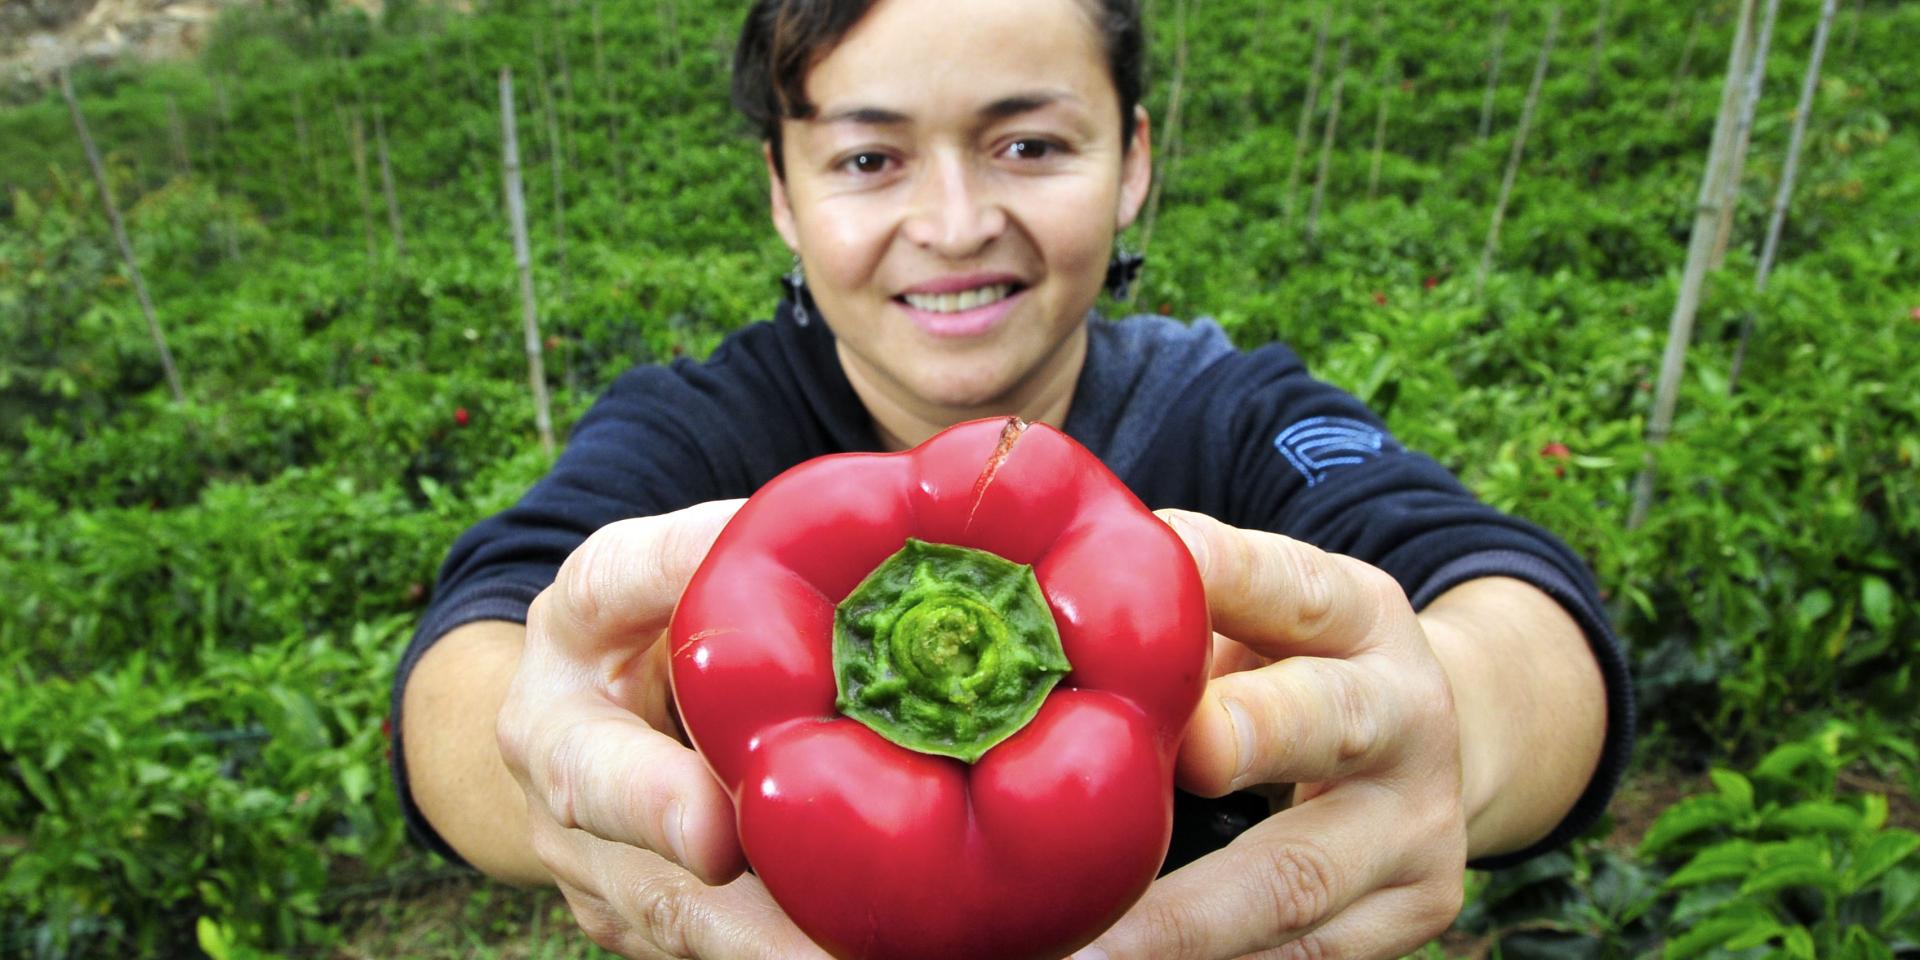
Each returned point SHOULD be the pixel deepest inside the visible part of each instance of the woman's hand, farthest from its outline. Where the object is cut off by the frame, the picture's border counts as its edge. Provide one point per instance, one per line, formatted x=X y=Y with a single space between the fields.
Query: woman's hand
x=627 y=819
x=1353 y=707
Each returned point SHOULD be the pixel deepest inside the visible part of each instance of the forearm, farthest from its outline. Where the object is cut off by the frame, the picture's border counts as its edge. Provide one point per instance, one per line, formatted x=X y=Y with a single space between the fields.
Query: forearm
x=453 y=759
x=1532 y=707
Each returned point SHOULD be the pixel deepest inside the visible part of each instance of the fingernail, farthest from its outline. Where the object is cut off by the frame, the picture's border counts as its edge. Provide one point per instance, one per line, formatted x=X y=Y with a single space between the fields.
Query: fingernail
x=1090 y=953
x=1195 y=538
x=1242 y=740
x=677 y=832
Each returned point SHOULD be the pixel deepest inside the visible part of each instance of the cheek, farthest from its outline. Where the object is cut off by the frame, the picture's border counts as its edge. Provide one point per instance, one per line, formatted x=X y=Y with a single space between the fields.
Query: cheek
x=843 y=240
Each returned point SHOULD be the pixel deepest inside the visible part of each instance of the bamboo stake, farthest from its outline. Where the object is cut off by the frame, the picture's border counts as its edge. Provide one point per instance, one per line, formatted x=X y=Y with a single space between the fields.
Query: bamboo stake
x=1174 y=95
x=177 y=133
x=1771 y=247
x=229 y=233
x=523 y=262
x=1326 y=143
x=1519 y=147
x=120 y=238
x=1743 y=136
x=1687 y=304
x=357 y=147
x=1493 y=75
x=386 y=186
x=1390 y=80
x=556 y=162
x=1679 y=84
x=1598 y=65
x=1307 y=110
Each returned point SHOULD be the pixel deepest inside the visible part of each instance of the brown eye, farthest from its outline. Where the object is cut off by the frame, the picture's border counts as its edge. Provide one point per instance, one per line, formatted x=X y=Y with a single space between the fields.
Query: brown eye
x=1030 y=149
x=868 y=162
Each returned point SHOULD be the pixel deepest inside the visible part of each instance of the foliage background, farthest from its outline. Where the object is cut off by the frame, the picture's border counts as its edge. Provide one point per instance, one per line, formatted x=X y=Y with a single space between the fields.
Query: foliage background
x=204 y=600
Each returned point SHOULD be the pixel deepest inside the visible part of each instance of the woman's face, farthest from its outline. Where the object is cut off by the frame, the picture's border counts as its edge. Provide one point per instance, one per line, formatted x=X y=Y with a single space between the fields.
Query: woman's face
x=955 y=197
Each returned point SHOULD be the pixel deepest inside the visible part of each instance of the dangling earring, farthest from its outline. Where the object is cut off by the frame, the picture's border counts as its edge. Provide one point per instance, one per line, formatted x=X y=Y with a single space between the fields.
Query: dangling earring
x=794 y=284
x=1122 y=271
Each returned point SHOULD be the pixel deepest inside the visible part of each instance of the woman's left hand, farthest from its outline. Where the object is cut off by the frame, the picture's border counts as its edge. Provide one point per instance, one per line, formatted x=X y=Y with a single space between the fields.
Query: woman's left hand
x=1354 y=709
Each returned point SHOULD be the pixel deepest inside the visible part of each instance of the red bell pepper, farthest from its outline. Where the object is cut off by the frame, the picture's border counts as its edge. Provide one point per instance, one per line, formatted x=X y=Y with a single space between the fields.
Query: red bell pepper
x=945 y=689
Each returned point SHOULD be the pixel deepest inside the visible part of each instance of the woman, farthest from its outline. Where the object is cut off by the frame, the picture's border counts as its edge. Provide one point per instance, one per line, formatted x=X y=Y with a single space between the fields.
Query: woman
x=951 y=178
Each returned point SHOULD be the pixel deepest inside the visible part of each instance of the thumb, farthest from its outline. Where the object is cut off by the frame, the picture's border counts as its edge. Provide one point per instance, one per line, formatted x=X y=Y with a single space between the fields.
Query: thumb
x=618 y=589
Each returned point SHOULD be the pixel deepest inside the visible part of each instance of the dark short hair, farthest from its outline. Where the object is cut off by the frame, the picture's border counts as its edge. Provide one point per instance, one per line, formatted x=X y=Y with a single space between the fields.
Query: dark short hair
x=782 y=39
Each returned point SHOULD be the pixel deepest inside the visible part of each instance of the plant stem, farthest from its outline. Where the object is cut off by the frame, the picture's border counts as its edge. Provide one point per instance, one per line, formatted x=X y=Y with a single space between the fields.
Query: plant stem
x=386 y=185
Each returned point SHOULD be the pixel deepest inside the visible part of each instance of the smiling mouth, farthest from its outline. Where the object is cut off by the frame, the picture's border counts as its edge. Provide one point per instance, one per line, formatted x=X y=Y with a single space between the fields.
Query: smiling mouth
x=960 y=302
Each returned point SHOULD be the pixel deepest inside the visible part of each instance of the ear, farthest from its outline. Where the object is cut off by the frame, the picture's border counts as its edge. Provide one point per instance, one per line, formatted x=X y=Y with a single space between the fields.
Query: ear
x=1136 y=171
x=777 y=200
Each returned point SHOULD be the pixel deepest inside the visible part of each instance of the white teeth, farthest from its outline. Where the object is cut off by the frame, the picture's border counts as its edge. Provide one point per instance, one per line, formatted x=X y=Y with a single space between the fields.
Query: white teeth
x=957 y=302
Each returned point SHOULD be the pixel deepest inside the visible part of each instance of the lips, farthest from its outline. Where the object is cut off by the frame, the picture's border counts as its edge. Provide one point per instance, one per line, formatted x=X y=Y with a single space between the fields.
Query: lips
x=969 y=313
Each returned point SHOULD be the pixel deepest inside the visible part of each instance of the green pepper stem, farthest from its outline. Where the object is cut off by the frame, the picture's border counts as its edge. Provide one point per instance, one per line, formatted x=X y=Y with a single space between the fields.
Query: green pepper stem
x=946 y=650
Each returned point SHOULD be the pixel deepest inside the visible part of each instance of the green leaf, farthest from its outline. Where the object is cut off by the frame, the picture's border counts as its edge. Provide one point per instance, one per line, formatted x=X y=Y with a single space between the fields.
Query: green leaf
x=215 y=939
x=1880 y=855
x=1863 y=944
x=1817 y=816
x=1800 y=944
x=1710 y=933
x=1685 y=818
x=1752 y=937
x=1876 y=601
x=1793 y=873
x=1784 y=763
x=1814 y=604
x=37 y=785
x=1722 y=861
x=1737 y=789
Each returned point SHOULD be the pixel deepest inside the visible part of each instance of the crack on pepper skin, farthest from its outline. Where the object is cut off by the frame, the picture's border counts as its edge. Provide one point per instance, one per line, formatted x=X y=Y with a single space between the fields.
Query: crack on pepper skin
x=699 y=636
x=1009 y=435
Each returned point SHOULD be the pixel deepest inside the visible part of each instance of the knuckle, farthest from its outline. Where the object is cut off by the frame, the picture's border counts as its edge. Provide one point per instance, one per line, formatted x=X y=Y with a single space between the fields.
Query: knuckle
x=1298 y=885
x=661 y=911
x=559 y=777
x=1354 y=712
x=1309 y=947
x=1176 y=930
x=550 y=847
x=1444 y=903
x=1314 y=600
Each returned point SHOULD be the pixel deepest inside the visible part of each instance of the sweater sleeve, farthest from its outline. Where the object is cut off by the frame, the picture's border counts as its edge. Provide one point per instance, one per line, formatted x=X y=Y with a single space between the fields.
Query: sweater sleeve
x=634 y=454
x=1312 y=462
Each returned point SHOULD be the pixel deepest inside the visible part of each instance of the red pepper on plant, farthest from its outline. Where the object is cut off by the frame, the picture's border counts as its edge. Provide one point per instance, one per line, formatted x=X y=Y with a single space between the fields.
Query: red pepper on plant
x=945 y=689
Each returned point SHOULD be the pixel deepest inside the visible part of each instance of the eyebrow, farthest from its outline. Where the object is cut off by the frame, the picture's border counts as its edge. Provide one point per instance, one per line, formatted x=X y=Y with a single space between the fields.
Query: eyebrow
x=1001 y=109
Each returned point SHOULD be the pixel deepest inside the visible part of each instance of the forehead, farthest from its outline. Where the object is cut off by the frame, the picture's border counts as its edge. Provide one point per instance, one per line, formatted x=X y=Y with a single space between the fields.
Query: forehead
x=924 y=55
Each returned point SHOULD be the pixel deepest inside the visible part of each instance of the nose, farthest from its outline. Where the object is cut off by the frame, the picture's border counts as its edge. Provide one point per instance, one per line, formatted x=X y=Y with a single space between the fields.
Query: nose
x=955 y=210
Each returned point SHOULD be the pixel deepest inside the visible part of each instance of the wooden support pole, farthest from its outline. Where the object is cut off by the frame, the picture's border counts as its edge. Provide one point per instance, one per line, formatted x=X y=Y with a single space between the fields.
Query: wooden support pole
x=523 y=262
x=1679 y=84
x=120 y=239
x=1809 y=86
x=1389 y=83
x=1307 y=110
x=1519 y=147
x=362 y=186
x=1693 y=278
x=1743 y=136
x=1493 y=76
x=386 y=185
x=177 y=133
x=1326 y=142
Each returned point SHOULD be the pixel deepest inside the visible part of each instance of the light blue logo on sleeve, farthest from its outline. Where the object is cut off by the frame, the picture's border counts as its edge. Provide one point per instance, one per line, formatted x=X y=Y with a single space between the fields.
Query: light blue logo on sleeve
x=1318 y=443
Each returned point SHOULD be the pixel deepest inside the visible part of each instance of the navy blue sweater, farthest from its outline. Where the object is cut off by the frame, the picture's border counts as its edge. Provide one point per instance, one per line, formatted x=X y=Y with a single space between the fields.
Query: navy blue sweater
x=1183 y=418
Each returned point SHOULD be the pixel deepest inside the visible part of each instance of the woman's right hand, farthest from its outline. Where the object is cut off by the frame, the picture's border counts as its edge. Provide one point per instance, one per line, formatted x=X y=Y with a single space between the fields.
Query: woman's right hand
x=626 y=817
